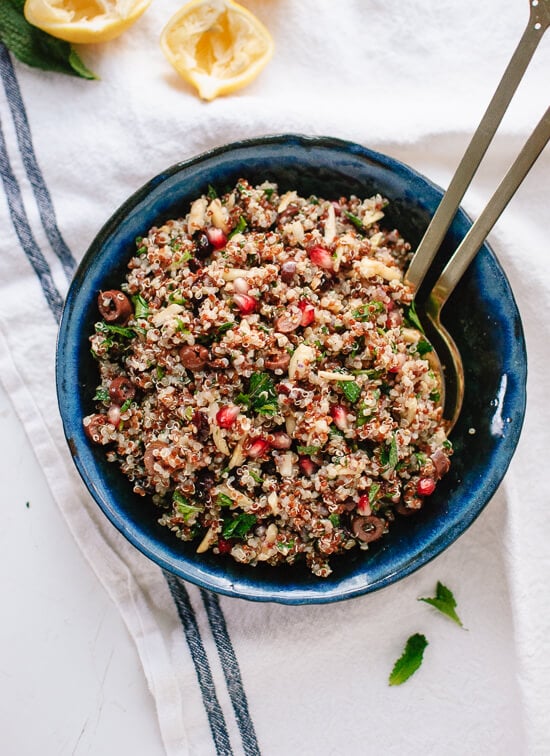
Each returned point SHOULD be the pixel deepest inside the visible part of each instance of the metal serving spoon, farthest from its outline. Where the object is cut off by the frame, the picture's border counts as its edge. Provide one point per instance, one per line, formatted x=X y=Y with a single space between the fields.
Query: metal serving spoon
x=452 y=373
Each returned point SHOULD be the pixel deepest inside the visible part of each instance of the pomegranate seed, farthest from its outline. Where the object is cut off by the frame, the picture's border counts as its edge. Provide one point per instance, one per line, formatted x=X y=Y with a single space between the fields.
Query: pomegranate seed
x=340 y=416
x=216 y=237
x=308 y=312
x=224 y=546
x=363 y=505
x=321 y=257
x=245 y=303
x=258 y=448
x=226 y=416
x=288 y=271
x=307 y=466
x=280 y=440
x=425 y=486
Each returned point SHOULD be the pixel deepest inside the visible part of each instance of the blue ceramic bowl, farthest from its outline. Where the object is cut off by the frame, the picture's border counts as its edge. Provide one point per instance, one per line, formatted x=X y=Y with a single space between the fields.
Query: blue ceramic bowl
x=481 y=316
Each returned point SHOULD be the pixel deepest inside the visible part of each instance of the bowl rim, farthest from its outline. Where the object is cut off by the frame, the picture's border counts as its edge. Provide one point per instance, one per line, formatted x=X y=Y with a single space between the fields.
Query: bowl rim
x=193 y=571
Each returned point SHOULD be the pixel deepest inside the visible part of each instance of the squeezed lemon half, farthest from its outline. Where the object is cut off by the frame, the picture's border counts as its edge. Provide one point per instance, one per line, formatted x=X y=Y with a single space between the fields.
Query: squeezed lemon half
x=83 y=21
x=216 y=45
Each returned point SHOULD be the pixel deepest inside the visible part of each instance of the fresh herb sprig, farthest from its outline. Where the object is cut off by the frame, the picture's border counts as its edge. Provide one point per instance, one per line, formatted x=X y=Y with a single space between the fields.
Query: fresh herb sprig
x=444 y=602
x=410 y=660
x=261 y=396
x=239 y=526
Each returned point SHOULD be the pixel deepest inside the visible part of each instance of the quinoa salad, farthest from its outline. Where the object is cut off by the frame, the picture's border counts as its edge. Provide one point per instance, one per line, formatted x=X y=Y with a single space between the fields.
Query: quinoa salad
x=264 y=379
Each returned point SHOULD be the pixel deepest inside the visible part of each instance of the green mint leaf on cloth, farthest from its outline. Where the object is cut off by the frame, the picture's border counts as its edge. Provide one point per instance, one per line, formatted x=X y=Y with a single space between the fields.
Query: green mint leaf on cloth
x=445 y=602
x=410 y=660
x=36 y=48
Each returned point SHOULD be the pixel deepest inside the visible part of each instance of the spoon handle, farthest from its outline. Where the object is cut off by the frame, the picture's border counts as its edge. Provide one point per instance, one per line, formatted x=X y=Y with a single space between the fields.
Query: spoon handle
x=539 y=20
x=468 y=248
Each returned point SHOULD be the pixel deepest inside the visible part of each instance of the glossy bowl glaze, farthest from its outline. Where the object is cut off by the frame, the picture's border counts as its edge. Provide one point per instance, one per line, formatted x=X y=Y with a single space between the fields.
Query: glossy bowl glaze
x=481 y=316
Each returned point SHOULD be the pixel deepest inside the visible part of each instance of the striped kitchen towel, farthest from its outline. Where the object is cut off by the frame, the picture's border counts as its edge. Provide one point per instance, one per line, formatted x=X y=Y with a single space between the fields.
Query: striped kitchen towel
x=229 y=676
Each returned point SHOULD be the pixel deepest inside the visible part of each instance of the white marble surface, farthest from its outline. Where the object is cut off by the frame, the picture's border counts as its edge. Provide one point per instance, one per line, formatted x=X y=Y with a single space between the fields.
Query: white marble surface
x=70 y=678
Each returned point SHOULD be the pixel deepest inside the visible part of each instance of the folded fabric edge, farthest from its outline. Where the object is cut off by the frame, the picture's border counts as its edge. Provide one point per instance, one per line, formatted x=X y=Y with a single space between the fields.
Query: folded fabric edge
x=126 y=593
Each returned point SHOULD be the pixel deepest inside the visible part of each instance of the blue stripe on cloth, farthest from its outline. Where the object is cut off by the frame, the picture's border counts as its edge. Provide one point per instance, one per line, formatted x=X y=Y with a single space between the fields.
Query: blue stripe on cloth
x=214 y=711
x=231 y=671
x=179 y=593
x=40 y=190
x=24 y=233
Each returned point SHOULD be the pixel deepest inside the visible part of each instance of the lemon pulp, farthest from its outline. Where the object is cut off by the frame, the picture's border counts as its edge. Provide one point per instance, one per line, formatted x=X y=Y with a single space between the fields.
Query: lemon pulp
x=216 y=45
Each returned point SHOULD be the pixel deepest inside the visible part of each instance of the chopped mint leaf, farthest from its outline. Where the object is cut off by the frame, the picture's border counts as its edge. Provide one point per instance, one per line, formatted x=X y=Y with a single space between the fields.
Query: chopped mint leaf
x=355 y=221
x=308 y=450
x=423 y=347
x=239 y=526
x=101 y=395
x=224 y=327
x=373 y=491
x=184 y=507
x=212 y=193
x=445 y=602
x=181 y=327
x=222 y=500
x=103 y=327
x=411 y=317
x=239 y=228
x=261 y=396
x=388 y=454
x=177 y=298
x=352 y=390
x=410 y=660
x=141 y=307
x=254 y=475
x=127 y=404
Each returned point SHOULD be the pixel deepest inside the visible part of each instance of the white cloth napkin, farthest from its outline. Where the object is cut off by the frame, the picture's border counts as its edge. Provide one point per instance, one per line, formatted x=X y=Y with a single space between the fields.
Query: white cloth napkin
x=229 y=676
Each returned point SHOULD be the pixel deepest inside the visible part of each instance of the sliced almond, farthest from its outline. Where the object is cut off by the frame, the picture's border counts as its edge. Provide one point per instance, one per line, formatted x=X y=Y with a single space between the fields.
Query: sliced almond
x=301 y=361
x=369 y=267
x=209 y=539
x=197 y=215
